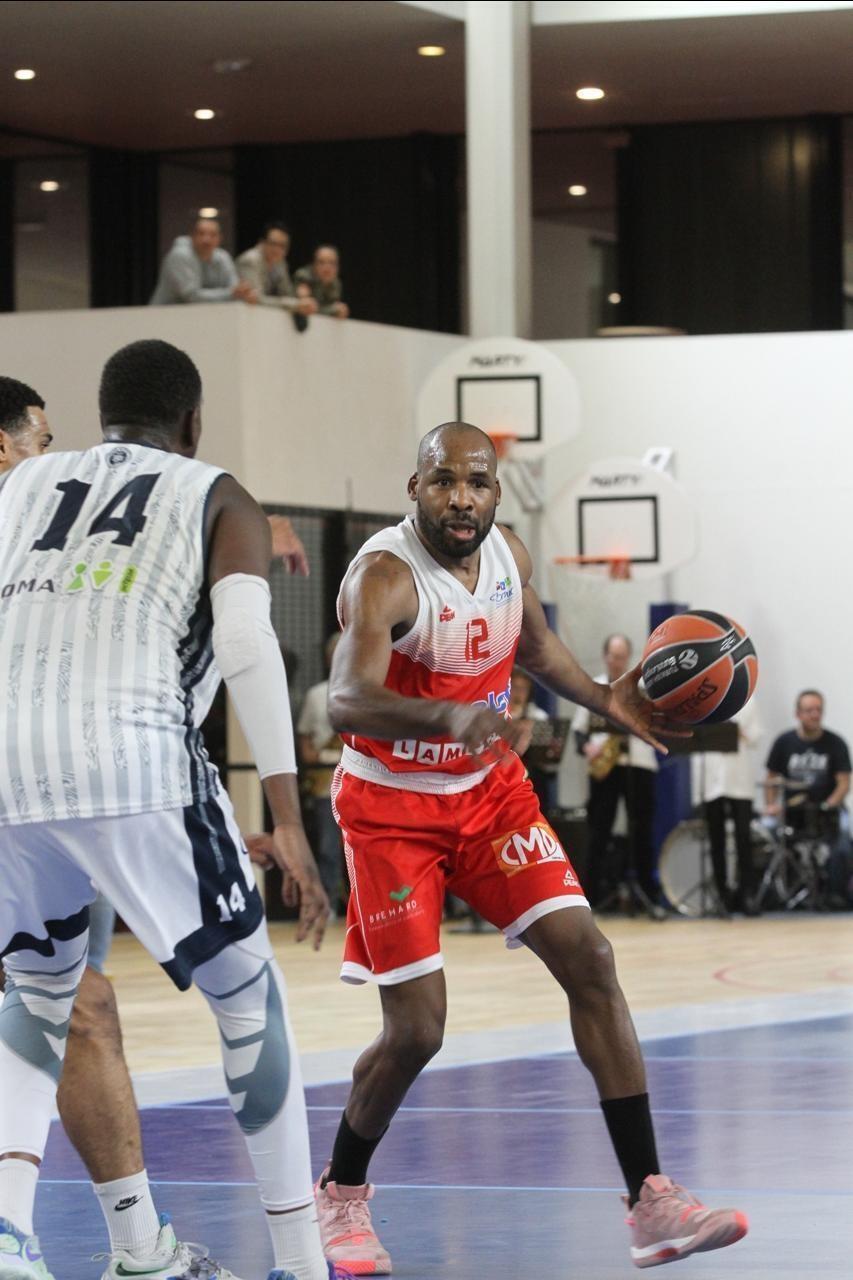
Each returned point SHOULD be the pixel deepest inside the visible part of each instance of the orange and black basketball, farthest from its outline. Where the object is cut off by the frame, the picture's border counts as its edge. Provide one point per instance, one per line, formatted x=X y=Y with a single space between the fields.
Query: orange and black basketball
x=700 y=667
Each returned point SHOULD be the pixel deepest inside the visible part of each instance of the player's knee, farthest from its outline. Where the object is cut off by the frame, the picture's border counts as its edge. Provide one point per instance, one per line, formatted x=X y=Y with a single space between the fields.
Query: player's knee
x=37 y=1003
x=416 y=1042
x=594 y=970
x=95 y=1015
x=253 y=1028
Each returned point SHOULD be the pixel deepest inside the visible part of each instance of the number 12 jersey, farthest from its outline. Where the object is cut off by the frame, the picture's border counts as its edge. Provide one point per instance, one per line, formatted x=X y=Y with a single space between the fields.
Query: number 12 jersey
x=105 y=634
x=461 y=647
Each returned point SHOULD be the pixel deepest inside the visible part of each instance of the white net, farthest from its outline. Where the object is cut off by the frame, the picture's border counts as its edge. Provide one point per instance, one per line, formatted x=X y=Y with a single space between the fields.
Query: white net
x=591 y=606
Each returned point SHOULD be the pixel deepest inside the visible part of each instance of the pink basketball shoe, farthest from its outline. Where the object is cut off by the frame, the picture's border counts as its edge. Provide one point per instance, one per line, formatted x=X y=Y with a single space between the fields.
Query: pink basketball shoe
x=347 y=1231
x=668 y=1223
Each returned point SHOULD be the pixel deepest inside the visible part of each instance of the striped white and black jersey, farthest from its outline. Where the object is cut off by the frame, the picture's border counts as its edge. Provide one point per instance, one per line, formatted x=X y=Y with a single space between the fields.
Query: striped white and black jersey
x=105 y=634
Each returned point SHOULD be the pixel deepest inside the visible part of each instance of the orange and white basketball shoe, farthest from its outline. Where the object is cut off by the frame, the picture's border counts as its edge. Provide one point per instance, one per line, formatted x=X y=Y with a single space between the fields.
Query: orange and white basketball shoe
x=347 y=1231
x=668 y=1223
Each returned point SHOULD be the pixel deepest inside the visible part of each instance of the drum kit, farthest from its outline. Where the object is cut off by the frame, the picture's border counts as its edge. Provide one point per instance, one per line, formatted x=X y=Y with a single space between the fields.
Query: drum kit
x=790 y=857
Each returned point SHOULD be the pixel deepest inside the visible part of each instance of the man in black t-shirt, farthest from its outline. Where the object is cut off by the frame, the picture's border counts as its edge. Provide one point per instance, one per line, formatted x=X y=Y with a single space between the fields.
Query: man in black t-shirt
x=817 y=762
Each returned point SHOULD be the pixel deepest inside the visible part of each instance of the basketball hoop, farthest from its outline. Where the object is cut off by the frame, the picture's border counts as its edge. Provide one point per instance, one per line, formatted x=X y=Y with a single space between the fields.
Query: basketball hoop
x=523 y=476
x=502 y=440
x=618 y=567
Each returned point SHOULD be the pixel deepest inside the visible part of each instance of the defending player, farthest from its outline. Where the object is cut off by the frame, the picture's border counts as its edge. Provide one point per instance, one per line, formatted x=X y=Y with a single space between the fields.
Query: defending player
x=134 y=571
x=431 y=797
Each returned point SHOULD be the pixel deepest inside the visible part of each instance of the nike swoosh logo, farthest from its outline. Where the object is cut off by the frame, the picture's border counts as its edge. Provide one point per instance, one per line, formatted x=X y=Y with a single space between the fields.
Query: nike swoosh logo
x=126 y=1204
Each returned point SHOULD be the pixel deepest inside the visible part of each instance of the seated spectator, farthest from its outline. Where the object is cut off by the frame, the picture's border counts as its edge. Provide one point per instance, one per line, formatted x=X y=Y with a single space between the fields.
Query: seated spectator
x=264 y=269
x=521 y=704
x=725 y=783
x=807 y=784
x=523 y=708
x=197 y=269
x=321 y=282
x=320 y=752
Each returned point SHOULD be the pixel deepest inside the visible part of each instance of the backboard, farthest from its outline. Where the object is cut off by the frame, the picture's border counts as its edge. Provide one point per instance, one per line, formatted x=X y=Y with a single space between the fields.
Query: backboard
x=621 y=509
x=505 y=386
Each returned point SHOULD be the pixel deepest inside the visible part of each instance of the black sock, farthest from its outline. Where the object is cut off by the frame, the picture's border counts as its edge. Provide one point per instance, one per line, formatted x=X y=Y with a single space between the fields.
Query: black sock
x=629 y=1122
x=351 y=1156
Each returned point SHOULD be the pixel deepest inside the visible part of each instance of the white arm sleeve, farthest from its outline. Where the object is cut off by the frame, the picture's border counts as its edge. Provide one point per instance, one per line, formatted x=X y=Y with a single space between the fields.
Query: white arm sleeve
x=246 y=650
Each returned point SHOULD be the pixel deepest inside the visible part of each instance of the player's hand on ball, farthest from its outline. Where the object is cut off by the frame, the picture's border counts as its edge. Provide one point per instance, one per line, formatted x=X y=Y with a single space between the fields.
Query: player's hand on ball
x=293 y=855
x=629 y=707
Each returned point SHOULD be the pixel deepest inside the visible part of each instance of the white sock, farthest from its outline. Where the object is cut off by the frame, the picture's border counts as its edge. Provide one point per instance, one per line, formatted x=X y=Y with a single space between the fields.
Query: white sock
x=129 y=1214
x=18 y=1180
x=296 y=1243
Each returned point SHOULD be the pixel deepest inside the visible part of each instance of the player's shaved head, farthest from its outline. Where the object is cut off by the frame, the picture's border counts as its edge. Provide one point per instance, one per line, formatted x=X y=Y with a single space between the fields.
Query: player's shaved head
x=453 y=437
x=456 y=489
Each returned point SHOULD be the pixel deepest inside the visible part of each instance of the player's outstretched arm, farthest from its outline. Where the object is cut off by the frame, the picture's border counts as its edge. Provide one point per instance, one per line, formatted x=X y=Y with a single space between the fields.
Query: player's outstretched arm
x=248 y=655
x=542 y=653
x=287 y=546
x=379 y=602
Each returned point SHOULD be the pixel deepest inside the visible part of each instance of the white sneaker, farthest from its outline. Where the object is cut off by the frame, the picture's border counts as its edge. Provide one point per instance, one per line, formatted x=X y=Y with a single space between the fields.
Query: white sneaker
x=171 y=1260
x=20 y=1255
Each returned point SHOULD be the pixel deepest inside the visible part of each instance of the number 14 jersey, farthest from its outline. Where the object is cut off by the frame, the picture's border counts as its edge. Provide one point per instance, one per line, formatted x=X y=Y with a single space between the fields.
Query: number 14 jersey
x=105 y=634
x=461 y=647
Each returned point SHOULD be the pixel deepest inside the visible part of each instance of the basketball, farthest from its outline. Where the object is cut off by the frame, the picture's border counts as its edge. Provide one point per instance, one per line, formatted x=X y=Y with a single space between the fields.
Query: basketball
x=700 y=667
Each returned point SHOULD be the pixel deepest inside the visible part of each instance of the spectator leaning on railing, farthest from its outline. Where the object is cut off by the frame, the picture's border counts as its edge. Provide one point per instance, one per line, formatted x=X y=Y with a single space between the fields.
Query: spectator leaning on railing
x=198 y=269
x=264 y=269
x=321 y=282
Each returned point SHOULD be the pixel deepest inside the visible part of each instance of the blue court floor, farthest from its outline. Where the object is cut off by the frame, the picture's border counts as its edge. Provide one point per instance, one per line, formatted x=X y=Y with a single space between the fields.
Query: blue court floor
x=504 y=1169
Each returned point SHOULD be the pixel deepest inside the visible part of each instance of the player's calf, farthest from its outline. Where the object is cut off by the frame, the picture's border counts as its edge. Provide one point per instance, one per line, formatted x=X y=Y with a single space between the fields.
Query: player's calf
x=34 y=1019
x=245 y=990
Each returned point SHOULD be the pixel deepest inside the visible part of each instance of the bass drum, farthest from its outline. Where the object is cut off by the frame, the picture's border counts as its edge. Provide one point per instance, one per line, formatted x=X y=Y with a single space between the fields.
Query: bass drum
x=680 y=864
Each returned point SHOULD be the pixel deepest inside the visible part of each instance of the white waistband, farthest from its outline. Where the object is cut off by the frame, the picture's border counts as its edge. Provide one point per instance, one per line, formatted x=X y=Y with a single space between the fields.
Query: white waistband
x=444 y=784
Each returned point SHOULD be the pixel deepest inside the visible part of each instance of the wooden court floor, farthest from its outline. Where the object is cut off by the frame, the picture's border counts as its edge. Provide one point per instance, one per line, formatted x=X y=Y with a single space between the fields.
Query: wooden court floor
x=661 y=966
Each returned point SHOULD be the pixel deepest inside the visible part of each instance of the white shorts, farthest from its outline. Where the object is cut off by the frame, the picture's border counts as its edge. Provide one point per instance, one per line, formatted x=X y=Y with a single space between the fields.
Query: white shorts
x=181 y=880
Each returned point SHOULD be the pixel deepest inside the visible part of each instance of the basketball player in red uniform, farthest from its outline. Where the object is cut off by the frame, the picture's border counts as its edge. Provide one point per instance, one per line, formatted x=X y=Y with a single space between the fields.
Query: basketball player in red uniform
x=431 y=797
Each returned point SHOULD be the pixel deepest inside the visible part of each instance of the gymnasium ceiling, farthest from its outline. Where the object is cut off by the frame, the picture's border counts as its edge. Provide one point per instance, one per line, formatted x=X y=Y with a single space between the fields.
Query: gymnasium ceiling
x=129 y=73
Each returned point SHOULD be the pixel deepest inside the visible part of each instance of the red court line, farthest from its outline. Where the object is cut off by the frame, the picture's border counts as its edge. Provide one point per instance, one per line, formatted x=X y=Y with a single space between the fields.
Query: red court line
x=728 y=972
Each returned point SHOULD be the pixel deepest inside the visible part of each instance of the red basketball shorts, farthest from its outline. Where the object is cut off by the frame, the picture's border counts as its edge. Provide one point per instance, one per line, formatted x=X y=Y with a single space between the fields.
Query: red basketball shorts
x=490 y=846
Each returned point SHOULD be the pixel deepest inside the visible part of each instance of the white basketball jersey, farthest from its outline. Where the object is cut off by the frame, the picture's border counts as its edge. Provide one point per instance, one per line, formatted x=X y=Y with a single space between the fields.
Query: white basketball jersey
x=105 y=634
x=461 y=647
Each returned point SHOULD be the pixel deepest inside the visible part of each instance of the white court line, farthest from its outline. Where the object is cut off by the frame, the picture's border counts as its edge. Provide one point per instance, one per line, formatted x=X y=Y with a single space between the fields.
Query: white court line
x=198 y=1084
x=835 y=1112
x=441 y=1186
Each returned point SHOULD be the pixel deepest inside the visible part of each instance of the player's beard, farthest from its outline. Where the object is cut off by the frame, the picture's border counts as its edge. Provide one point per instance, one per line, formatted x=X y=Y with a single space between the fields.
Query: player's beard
x=441 y=540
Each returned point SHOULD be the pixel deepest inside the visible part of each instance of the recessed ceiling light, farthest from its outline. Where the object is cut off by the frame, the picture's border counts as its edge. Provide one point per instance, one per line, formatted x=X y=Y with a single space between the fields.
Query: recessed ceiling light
x=577 y=189
x=25 y=73
x=204 y=113
x=230 y=66
x=432 y=50
x=614 y=298
x=49 y=184
x=209 y=211
x=589 y=94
